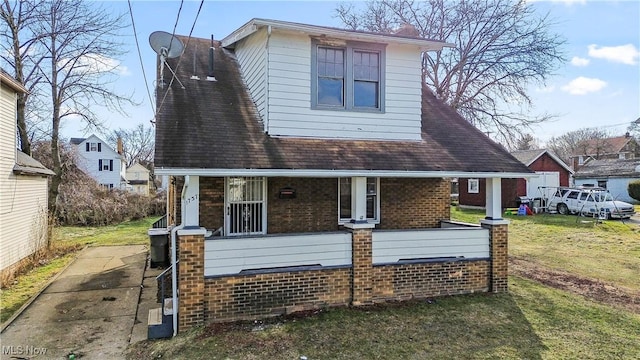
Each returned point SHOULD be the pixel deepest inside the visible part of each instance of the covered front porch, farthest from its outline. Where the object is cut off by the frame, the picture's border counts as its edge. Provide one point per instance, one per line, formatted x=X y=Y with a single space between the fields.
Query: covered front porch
x=411 y=250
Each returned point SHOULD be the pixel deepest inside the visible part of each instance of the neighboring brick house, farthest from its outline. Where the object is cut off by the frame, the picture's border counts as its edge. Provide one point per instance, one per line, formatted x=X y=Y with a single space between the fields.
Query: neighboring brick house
x=551 y=172
x=618 y=147
x=24 y=188
x=611 y=174
x=100 y=161
x=138 y=179
x=316 y=172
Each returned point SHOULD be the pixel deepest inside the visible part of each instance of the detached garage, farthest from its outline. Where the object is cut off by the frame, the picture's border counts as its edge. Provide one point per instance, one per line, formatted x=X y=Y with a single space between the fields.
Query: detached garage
x=552 y=172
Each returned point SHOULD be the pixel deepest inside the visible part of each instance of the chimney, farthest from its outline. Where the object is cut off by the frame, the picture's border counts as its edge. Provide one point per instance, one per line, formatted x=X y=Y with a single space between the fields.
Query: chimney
x=627 y=135
x=119 y=145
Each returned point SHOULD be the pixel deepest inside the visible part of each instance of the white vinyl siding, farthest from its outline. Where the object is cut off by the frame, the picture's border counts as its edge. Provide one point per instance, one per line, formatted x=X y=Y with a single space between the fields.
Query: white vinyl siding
x=23 y=199
x=94 y=162
x=289 y=111
x=394 y=246
x=252 y=58
x=225 y=256
x=24 y=217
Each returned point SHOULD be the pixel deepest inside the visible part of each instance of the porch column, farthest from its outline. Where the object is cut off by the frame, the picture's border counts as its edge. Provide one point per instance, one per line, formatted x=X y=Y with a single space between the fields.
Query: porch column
x=499 y=251
x=493 y=199
x=362 y=263
x=191 y=278
x=359 y=199
x=191 y=201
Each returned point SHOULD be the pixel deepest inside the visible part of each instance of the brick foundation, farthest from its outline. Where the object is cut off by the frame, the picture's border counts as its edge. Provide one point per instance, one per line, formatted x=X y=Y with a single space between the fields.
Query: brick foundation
x=409 y=281
x=260 y=295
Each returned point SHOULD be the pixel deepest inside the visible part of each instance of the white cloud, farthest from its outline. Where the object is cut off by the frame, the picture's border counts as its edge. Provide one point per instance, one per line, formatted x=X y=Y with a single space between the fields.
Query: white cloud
x=583 y=85
x=626 y=54
x=578 y=61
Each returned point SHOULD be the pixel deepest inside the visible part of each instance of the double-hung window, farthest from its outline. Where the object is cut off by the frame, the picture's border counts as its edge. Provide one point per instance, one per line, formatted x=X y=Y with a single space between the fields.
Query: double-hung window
x=345 y=200
x=349 y=77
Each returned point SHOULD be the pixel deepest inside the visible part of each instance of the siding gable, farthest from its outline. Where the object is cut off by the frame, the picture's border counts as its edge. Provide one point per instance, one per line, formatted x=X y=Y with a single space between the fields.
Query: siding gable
x=279 y=82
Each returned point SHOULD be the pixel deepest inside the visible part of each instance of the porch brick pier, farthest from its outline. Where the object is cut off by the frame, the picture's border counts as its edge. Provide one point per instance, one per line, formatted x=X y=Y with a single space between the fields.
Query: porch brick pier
x=362 y=255
x=499 y=250
x=191 y=278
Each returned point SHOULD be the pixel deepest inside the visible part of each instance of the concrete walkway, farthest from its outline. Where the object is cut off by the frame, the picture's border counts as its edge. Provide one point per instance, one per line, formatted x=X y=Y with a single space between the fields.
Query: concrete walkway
x=89 y=310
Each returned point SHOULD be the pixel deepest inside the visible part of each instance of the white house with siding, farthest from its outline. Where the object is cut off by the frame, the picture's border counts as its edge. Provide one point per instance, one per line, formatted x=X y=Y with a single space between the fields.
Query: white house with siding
x=101 y=162
x=138 y=179
x=23 y=187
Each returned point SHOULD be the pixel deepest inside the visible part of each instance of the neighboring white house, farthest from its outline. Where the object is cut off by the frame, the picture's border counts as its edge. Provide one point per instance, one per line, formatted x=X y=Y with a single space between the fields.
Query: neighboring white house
x=138 y=179
x=101 y=162
x=611 y=174
x=23 y=187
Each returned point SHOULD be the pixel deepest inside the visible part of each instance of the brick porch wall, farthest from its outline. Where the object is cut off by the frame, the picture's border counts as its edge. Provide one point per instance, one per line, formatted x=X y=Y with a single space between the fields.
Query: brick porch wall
x=413 y=203
x=408 y=281
x=499 y=250
x=261 y=295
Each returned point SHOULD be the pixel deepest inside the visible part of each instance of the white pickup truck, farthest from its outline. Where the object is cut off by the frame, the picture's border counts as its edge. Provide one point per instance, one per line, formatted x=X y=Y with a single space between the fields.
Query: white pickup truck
x=589 y=201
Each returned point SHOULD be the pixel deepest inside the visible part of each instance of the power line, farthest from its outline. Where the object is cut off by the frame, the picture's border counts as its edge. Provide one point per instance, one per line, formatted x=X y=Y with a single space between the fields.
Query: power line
x=144 y=74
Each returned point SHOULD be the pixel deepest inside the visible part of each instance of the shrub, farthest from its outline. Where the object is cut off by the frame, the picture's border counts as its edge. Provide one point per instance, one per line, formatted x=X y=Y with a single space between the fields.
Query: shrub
x=634 y=189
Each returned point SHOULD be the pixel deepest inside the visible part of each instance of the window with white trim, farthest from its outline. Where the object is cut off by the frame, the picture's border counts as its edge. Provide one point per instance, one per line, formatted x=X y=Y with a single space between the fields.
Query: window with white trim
x=105 y=165
x=93 y=146
x=246 y=205
x=473 y=186
x=345 y=201
x=349 y=77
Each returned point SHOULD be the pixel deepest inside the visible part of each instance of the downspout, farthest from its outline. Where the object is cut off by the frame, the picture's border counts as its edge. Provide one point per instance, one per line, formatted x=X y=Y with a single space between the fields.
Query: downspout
x=174 y=260
x=266 y=104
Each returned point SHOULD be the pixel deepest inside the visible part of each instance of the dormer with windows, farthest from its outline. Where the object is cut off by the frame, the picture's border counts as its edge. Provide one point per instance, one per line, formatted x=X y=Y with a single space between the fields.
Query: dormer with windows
x=321 y=82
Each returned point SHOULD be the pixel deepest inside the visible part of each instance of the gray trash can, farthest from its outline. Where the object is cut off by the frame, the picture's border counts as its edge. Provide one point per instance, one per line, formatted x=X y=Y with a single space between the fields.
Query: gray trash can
x=159 y=249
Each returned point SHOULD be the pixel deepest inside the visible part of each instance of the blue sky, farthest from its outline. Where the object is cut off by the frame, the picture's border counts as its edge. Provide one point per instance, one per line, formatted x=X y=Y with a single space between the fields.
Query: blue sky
x=598 y=87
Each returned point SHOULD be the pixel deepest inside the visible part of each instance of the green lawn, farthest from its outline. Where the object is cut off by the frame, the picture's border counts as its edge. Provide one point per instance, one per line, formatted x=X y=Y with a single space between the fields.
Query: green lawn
x=607 y=251
x=67 y=240
x=531 y=322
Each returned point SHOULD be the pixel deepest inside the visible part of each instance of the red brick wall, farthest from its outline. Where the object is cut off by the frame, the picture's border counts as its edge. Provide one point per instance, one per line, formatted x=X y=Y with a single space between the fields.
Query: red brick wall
x=314 y=209
x=250 y=296
x=408 y=281
x=211 y=202
x=407 y=203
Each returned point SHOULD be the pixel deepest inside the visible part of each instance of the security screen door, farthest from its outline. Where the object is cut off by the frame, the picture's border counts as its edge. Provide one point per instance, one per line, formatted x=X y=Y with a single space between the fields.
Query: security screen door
x=245 y=205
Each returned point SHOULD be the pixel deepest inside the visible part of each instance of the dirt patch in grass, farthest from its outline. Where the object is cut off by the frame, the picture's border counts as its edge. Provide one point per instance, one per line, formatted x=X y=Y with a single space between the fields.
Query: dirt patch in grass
x=590 y=288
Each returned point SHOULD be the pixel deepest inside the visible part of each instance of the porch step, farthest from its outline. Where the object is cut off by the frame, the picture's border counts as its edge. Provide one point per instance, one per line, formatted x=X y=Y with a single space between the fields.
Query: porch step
x=155 y=317
x=158 y=325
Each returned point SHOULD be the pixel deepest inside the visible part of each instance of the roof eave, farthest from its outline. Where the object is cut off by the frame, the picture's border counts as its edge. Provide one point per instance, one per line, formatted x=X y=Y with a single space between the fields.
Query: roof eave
x=338 y=173
x=255 y=24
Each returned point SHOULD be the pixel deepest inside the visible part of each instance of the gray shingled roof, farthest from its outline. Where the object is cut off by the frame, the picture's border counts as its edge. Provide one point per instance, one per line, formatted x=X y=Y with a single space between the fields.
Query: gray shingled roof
x=26 y=165
x=214 y=125
x=77 y=141
x=610 y=168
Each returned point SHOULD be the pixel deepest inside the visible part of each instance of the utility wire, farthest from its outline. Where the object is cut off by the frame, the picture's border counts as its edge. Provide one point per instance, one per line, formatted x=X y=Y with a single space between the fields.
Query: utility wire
x=180 y=59
x=144 y=74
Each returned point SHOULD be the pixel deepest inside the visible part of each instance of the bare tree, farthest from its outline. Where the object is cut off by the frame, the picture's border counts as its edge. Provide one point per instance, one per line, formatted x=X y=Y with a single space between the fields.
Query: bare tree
x=582 y=142
x=526 y=142
x=78 y=41
x=137 y=144
x=17 y=50
x=501 y=48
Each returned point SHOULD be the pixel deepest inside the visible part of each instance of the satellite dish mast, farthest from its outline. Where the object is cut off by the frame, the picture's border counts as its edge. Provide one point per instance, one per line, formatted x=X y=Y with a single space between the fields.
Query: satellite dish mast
x=166 y=46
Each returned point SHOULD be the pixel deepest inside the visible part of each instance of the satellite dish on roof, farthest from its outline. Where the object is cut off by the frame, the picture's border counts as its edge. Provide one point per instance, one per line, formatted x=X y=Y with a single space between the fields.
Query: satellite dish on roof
x=166 y=46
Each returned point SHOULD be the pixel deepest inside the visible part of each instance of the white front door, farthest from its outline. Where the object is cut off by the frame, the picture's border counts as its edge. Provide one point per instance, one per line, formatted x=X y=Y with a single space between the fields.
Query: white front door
x=245 y=205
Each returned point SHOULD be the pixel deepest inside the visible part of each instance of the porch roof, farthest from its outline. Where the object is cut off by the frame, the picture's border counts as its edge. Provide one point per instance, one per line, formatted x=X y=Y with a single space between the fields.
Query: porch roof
x=212 y=128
